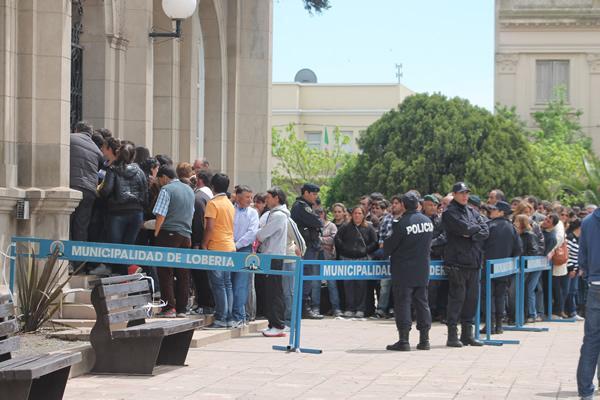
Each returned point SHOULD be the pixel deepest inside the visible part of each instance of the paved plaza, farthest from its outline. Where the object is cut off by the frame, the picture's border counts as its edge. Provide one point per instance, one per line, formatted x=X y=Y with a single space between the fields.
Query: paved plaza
x=354 y=365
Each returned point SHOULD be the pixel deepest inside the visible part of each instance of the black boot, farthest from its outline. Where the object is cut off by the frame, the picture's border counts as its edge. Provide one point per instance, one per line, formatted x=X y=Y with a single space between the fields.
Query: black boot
x=499 y=329
x=466 y=336
x=423 y=340
x=402 y=344
x=453 y=337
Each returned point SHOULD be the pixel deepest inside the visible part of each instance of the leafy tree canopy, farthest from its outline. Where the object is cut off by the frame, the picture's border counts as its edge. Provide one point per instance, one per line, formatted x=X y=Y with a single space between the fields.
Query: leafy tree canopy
x=316 y=5
x=297 y=163
x=429 y=142
x=560 y=148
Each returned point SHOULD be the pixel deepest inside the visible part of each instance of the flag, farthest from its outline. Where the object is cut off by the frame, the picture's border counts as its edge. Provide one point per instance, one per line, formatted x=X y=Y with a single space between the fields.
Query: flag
x=326 y=137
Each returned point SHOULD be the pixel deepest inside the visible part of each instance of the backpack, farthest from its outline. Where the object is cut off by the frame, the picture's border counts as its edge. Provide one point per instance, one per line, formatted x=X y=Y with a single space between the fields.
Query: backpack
x=561 y=254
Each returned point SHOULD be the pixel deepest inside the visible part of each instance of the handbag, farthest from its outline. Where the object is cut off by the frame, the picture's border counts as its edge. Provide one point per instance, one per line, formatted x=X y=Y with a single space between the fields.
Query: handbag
x=561 y=254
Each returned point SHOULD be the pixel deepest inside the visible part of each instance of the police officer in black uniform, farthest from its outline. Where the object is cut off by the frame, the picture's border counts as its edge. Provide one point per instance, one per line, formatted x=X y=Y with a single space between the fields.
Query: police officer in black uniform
x=503 y=242
x=310 y=226
x=408 y=249
x=465 y=232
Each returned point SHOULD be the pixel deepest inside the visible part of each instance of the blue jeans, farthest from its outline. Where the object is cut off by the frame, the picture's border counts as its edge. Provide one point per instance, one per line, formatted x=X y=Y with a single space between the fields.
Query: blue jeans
x=590 y=349
x=334 y=296
x=312 y=289
x=383 y=303
x=560 y=285
x=287 y=283
x=531 y=284
x=571 y=301
x=240 y=282
x=220 y=284
x=124 y=229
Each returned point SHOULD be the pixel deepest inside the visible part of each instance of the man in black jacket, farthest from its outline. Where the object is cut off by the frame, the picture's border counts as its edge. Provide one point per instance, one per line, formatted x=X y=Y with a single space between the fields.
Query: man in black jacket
x=503 y=242
x=85 y=160
x=465 y=232
x=408 y=249
x=309 y=224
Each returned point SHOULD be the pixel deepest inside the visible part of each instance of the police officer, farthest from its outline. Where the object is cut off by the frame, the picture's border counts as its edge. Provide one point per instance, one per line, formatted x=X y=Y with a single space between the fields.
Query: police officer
x=310 y=226
x=408 y=249
x=503 y=242
x=465 y=232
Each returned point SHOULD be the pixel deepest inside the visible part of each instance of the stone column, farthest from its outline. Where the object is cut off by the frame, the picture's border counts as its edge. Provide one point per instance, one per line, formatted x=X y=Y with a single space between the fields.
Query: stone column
x=249 y=121
x=43 y=128
x=594 y=117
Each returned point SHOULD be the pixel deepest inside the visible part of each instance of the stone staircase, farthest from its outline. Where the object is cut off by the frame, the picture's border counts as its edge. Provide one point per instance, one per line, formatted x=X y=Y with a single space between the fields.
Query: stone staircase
x=76 y=317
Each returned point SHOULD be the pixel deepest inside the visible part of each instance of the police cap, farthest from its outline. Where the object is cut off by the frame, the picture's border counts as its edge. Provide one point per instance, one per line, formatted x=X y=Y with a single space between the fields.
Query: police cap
x=504 y=207
x=432 y=198
x=309 y=187
x=460 y=187
x=475 y=200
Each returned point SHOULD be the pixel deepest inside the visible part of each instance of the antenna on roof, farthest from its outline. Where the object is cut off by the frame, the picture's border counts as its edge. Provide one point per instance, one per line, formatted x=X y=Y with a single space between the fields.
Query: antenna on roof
x=399 y=74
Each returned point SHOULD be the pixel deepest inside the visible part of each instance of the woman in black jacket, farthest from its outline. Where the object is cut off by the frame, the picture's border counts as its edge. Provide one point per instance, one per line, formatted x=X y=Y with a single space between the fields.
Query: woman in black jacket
x=125 y=189
x=356 y=240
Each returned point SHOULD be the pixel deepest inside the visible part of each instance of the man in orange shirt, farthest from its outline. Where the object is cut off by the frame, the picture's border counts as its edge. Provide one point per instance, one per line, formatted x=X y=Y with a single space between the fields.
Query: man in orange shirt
x=218 y=236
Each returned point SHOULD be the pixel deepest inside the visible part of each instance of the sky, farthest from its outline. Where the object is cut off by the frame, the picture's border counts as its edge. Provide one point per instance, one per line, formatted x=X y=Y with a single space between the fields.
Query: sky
x=444 y=46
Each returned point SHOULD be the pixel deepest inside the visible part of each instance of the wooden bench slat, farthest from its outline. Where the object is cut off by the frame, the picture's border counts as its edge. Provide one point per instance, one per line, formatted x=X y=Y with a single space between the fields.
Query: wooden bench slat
x=124 y=316
x=116 y=279
x=34 y=367
x=131 y=301
x=123 y=288
x=157 y=329
x=7 y=310
x=9 y=345
x=8 y=327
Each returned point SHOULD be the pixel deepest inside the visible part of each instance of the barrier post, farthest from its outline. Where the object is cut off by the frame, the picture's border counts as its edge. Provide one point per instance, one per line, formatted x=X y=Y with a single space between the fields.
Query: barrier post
x=549 y=317
x=478 y=312
x=489 y=275
x=13 y=265
x=520 y=306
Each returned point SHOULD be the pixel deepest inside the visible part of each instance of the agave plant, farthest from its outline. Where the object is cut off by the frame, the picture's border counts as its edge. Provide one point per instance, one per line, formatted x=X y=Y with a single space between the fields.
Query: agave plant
x=588 y=188
x=39 y=288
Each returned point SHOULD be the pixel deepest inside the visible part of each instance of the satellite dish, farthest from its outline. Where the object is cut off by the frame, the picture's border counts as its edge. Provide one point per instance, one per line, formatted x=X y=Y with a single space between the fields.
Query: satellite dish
x=305 y=75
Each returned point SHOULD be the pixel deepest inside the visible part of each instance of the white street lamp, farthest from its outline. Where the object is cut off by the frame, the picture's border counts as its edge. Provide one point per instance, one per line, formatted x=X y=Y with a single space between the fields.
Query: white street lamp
x=177 y=10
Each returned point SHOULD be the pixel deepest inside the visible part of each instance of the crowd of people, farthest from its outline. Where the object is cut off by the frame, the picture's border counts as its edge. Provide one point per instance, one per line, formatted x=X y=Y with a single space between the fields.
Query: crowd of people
x=131 y=197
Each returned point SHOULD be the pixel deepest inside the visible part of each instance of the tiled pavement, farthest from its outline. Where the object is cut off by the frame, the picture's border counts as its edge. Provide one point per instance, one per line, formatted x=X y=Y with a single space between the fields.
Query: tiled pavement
x=355 y=365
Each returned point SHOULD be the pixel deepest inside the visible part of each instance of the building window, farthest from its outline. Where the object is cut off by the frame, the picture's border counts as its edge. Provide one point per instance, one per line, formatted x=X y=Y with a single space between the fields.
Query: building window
x=549 y=75
x=348 y=148
x=313 y=139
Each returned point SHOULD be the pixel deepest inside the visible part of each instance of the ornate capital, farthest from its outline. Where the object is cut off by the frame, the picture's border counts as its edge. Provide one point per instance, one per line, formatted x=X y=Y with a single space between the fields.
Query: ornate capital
x=594 y=62
x=506 y=63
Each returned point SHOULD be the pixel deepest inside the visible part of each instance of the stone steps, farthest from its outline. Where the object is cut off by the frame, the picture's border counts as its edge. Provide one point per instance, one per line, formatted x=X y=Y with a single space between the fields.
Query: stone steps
x=202 y=337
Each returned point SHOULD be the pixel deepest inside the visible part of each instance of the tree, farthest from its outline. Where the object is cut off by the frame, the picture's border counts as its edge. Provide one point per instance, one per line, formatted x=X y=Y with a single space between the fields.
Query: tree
x=316 y=5
x=297 y=163
x=429 y=142
x=561 y=149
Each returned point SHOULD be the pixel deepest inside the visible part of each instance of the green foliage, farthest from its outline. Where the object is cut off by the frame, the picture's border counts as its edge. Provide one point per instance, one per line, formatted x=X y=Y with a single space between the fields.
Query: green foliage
x=430 y=142
x=39 y=289
x=562 y=151
x=316 y=5
x=297 y=163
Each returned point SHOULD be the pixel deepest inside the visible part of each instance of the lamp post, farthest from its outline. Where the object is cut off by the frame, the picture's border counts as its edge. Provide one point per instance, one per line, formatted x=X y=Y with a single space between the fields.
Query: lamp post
x=177 y=10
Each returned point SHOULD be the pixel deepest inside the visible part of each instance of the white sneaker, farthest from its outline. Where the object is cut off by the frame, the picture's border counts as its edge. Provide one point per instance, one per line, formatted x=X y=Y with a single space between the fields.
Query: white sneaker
x=578 y=317
x=359 y=314
x=286 y=329
x=274 y=332
x=348 y=314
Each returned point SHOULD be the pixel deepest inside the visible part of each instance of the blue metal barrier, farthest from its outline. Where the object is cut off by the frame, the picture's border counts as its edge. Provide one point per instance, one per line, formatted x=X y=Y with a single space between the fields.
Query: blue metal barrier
x=527 y=264
x=498 y=268
x=110 y=253
x=333 y=270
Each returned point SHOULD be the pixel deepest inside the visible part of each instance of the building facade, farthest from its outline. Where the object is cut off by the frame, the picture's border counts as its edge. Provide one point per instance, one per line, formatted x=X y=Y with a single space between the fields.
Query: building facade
x=543 y=44
x=317 y=108
x=206 y=94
